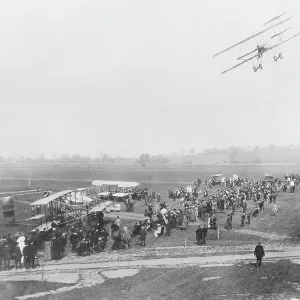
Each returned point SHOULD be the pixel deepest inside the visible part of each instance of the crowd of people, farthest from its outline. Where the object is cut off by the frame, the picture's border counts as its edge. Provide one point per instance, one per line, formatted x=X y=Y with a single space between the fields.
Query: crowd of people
x=194 y=206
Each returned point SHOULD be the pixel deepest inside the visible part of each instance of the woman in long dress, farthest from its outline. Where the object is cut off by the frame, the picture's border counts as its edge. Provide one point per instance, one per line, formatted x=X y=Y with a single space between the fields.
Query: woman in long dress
x=193 y=214
x=48 y=245
x=184 y=222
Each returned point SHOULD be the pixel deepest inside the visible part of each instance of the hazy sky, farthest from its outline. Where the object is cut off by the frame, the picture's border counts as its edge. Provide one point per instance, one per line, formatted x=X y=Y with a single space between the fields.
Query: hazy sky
x=125 y=77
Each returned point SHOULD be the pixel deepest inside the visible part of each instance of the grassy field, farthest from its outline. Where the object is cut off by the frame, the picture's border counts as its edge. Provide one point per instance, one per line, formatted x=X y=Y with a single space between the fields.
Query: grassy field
x=133 y=172
x=278 y=280
x=160 y=178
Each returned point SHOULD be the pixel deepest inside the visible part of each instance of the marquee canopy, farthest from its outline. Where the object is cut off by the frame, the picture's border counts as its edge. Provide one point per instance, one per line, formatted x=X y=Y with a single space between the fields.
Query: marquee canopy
x=120 y=194
x=104 y=194
x=79 y=198
x=120 y=184
x=217 y=175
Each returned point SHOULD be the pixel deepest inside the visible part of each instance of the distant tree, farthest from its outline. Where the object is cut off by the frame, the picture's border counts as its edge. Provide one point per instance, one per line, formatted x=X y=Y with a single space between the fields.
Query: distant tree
x=144 y=158
x=65 y=158
x=272 y=147
x=159 y=159
x=257 y=160
x=76 y=158
x=182 y=152
x=41 y=158
x=233 y=153
x=107 y=159
x=192 y=151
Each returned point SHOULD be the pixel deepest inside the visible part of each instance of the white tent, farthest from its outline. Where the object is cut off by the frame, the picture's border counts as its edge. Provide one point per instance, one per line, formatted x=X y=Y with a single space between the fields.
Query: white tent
x=120 y=184
x=118 y=195
x=104 y=194
x=79 y=198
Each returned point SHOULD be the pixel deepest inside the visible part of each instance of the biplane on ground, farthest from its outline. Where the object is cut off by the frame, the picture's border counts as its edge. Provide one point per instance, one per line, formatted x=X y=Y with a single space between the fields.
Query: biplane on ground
x=259 y=51
x=72 y=206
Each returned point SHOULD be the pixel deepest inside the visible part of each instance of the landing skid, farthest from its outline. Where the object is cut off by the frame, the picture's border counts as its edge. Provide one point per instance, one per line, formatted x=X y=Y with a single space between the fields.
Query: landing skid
x=277 y=57
x=255 y=69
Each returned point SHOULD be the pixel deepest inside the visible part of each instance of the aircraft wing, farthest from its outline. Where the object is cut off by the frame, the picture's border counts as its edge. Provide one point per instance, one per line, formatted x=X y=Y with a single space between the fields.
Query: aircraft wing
x=243 y=62
x=275 y=18
x=253 y=36
x=276 y=45
x=279 y=33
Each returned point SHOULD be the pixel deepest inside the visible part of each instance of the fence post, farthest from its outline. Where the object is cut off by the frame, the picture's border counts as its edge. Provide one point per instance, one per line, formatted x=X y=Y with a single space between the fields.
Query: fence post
x=218 y=233
x=42 y=272
x=184 y=242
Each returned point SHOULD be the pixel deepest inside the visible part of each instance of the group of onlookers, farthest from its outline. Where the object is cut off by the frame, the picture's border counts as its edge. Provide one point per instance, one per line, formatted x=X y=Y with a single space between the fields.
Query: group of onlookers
x=19 y=250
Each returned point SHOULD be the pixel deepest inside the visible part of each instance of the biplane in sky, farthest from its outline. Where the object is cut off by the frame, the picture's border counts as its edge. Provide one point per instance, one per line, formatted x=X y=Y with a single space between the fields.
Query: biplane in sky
x=255 y=55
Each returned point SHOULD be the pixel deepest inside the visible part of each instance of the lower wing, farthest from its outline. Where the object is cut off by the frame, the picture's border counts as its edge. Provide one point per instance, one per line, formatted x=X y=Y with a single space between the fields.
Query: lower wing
x=243 y=62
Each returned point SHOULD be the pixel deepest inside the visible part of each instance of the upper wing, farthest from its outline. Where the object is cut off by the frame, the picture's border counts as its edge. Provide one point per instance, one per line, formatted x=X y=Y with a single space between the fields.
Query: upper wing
x=253 y=36
x=243 y=62
x=279 y=33
x=276 y=45
x=275 y=18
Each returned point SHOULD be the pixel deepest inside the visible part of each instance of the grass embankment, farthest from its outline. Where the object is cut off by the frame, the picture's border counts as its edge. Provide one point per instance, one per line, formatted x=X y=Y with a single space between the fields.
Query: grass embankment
x=11 y=289
x=280 y=280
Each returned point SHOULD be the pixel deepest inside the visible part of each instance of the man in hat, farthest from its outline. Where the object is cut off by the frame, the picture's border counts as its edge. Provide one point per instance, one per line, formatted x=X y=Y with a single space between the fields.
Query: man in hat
x=142 y=234
x=249 y=216
x=118 y=221
x=275 y=209
x=243 y=217
x=229 y=222
x=204 y=234
x=199 y=235
x=259 y=253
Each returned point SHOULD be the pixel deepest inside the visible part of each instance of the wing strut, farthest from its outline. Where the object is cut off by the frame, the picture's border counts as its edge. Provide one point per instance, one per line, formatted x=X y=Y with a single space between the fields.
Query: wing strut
x=276 y=45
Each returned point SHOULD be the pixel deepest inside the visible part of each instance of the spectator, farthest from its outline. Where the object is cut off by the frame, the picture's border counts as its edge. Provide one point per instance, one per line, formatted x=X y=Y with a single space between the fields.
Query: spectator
x=259 y=253
x=118 y=221
x=229 y=222
x=48 y=245
x=204 y=234
x=199 y=234
x=6 y=255
x=143 y=234
x=275 y=209
x=18 y=257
